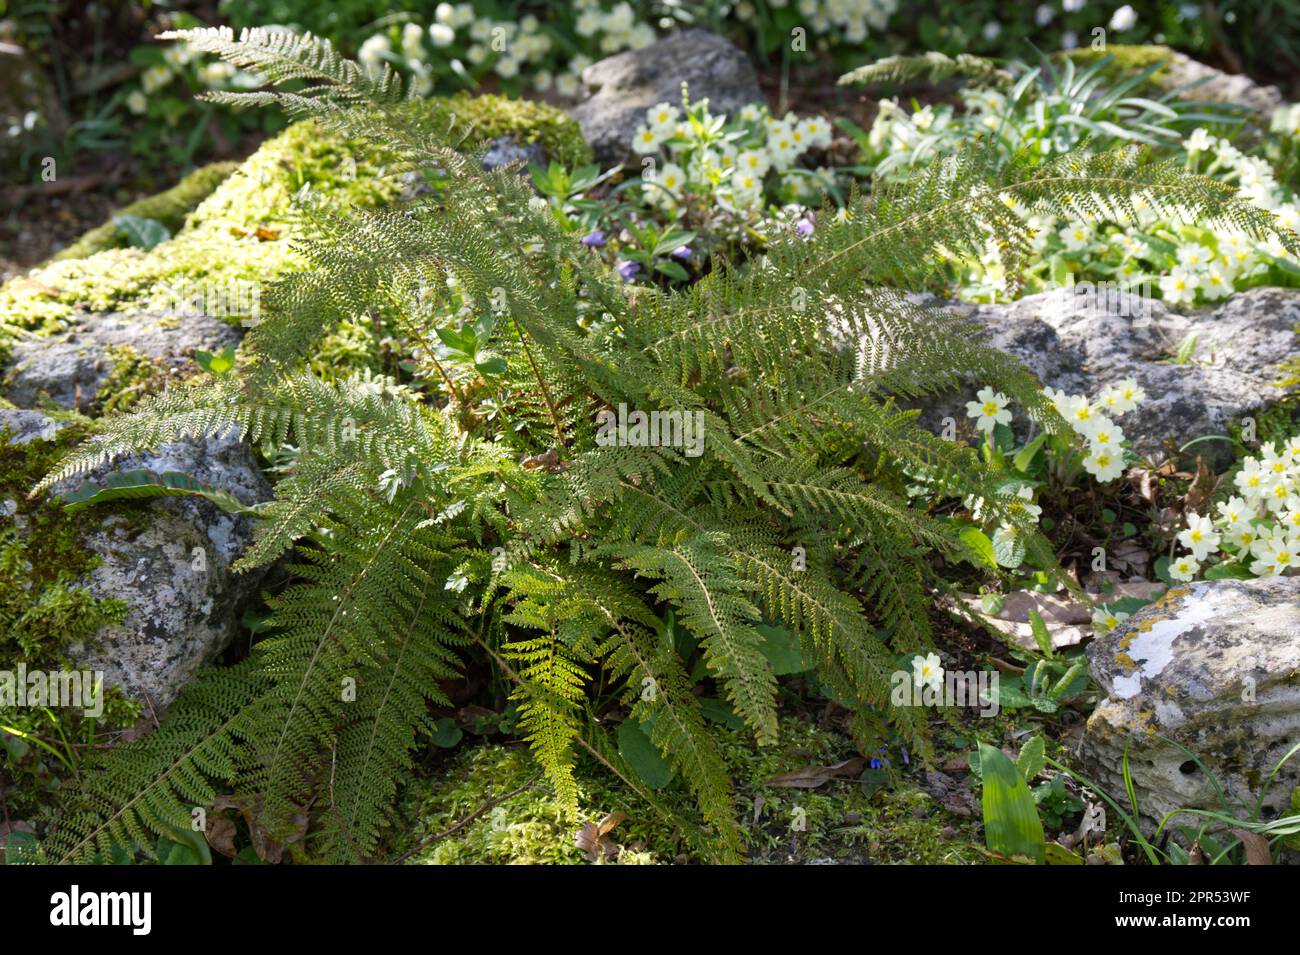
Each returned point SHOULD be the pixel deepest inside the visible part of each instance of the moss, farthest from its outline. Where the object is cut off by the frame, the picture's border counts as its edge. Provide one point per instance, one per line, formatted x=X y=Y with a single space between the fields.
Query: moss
x=837 y=821
x=557 y=132
x=44 y=609
x=169 y=207
x=243 y=232
x=131 y=377
x=1126 y=59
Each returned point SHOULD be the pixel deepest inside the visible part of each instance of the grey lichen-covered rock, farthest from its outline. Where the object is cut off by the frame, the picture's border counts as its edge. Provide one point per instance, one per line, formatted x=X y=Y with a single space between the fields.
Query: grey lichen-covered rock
x=70 y=368
x=506 y=150
x=173 y=569
x=22 y=426
x=622 y=87
x=1215 y=86
x=1214 y=667
x=1080 y=341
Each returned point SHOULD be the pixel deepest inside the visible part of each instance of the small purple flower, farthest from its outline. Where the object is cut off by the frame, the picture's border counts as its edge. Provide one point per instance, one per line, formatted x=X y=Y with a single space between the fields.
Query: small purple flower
x=593 y=238
x=805 y=227
x=906 y=759
x=682 y=253
x=628 y=269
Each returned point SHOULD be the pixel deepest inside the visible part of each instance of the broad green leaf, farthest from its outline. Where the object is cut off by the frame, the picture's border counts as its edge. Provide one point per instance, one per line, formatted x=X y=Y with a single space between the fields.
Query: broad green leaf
x=141 y=233
x=129 y=485
x=782 y=650
x=1228 y=570
x=1025 y=456
x=217 y=364
x=979 y=545
x=635 y=747
x=1011 y=823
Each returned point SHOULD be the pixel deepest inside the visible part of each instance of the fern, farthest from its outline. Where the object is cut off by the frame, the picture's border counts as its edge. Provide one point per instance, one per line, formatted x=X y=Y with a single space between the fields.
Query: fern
x=488 y=512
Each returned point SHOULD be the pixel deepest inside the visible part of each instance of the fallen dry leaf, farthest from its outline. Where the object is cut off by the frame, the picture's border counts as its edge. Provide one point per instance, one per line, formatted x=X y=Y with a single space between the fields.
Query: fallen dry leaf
x=593 y=839
x=1068 y=622
x=1257 y=852
x=811 y=777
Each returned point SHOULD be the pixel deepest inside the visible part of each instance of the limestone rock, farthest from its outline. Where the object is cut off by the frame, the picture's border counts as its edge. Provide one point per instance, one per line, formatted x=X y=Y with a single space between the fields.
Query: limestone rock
x=1080 y=343
x=173 y=570
x=70 y=367
x=1213 y=666
x=622 y=87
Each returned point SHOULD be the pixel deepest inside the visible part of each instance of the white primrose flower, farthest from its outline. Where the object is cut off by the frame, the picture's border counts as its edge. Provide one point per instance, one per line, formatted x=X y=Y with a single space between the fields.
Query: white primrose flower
x=754 y=161
x=1200 y=537
x=927 y=671
x=1080 y=413
x=1180 y=285
x=1195 y=256
x=1250 y=480
x=1104 y=435
x=1125 y=18
x=1235 y=511
x=1076 y=235
x=1200 y=141
x=1275 y=553
x=1185 y=568
x=1104 y=620
x=990 y=410
x=648 y=138
x=663 y=117
x=1104 y=465
x=1122 y=397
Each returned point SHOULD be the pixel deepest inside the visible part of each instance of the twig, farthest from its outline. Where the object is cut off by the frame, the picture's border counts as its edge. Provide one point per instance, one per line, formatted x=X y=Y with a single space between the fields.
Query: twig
x=451 y=830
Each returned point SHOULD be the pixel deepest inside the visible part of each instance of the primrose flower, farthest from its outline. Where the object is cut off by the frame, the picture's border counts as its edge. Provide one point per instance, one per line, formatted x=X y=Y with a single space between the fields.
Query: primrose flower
x=647 y=139
x=1250 y=480
x=663 y=118
x=1234 y=511
x=1076 y=235
x=1079 y=412
x=1122 y=397
x=1276 y=553
x=1195 y=256
x=1200 y=141
x=1104 y=465
x=1216 y=282
x=990 y=410
x=1104 y=620
x=1184 y=568
x=1179 y=286
x=927 y=671
x=1200 y=537
x=754 y=161
x=1104 y=436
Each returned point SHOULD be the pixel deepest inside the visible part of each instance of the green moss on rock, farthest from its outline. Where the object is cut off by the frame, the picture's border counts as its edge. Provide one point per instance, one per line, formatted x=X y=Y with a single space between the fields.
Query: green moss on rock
x=1126 y=59
x=243 y=231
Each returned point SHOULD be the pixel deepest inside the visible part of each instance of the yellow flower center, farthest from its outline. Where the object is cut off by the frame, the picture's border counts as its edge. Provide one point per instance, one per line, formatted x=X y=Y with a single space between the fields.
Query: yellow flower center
x=990 y=408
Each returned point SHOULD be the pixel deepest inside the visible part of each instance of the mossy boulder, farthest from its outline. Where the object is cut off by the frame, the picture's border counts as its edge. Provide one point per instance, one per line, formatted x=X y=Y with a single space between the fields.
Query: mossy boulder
x=242 y=233
x=115 y=310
